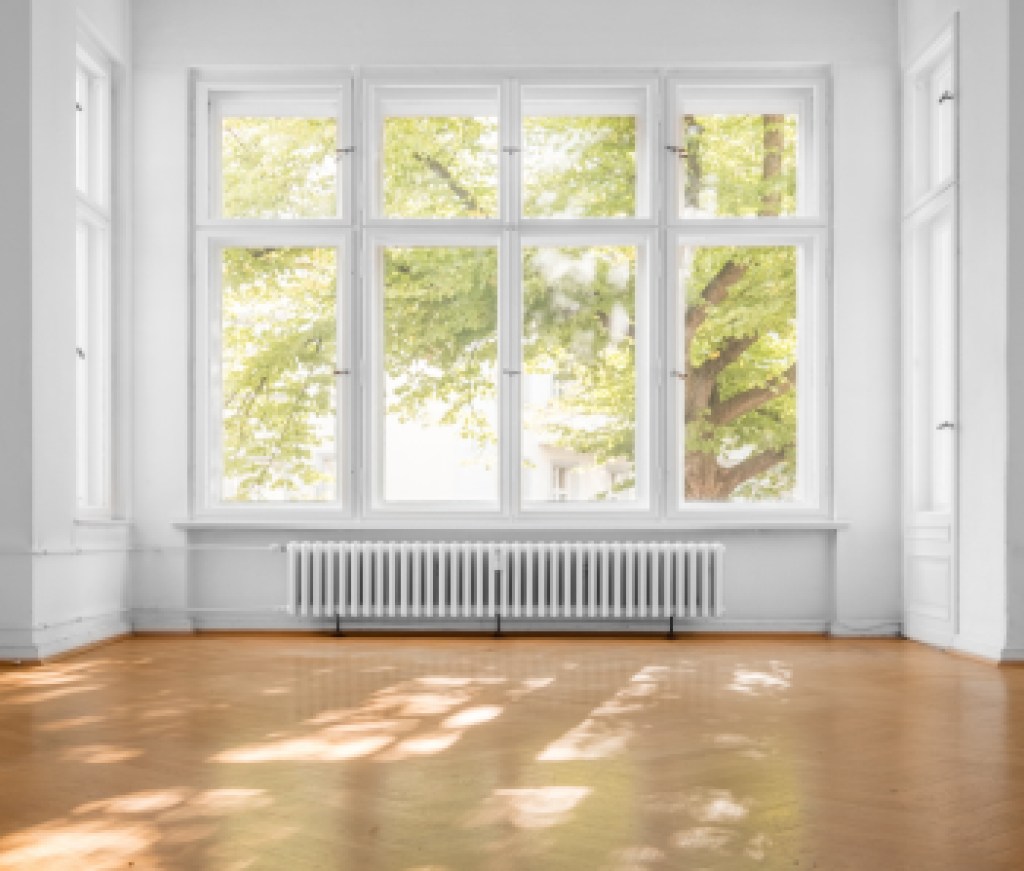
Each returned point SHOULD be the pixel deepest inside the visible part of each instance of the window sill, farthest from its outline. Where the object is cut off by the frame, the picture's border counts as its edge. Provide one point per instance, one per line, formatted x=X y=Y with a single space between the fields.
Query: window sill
x=504 y=526
x=112 y=522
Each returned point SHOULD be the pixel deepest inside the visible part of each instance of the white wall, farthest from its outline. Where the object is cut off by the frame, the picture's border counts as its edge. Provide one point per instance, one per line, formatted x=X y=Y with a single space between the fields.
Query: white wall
x=780 y=579
x=71 y=580
x=984 y=448
x=1015 y=349
x=15 y=326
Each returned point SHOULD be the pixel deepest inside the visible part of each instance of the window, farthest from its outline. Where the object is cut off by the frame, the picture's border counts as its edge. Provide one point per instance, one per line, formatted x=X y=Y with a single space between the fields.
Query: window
x=530 y=257
x=748 y=228
x=93 y=281
x=273 y=252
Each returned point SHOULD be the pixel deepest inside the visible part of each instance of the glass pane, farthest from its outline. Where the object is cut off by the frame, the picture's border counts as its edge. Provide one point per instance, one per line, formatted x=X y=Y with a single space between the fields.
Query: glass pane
x=579 y=373
x=279 y=167
x=579 y=166
x=278 y=388
x=440 y=374
x=440 y=158
x=739 y=335
x=738 y=165
x=82 y=115
x=933 y=259
x=92 y=374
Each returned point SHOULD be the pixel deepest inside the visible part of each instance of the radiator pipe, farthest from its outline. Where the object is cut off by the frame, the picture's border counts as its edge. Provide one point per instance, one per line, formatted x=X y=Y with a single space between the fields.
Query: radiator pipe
x=671 y=627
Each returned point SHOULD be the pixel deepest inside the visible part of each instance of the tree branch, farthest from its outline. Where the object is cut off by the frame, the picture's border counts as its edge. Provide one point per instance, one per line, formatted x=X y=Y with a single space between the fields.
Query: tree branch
x=751 y=467
x=442 y=172
x=713 y=294
x=736 y=406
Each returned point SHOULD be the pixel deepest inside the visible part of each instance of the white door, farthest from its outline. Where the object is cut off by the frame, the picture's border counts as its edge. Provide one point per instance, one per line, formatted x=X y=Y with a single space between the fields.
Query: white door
x=931 y=271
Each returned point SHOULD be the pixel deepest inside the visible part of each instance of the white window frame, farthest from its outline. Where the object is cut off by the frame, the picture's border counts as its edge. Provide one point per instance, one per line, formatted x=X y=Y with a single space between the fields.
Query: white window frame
x=360 y=231
x=566 y=234
x=212 y=233
x=94 y=330
x=812 y=393
x=372 y=368
x=809 y=230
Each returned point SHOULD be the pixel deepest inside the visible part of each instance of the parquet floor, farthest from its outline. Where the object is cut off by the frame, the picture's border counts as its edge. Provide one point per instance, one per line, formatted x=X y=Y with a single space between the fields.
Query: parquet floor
x=363 y=754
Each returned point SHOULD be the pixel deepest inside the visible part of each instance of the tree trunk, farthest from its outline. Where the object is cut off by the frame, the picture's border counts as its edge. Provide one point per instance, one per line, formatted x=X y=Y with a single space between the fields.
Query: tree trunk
x=705 y=479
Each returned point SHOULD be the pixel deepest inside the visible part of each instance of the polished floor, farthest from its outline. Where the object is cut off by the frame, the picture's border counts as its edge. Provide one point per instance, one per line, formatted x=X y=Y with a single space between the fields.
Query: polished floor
x=362 y=754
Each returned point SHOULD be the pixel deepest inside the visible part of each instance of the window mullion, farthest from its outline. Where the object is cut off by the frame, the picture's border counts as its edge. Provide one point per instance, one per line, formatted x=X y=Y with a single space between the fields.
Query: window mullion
x=510 y=303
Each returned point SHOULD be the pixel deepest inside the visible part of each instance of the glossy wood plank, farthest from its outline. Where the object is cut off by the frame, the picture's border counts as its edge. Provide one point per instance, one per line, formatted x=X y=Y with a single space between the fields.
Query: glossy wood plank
x=589 y=753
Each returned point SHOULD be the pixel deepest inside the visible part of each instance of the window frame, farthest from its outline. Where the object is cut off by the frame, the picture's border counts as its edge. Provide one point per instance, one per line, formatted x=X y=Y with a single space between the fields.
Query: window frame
x=361 y=230
x=812 y=393
x=212 y=232
x=94 y=282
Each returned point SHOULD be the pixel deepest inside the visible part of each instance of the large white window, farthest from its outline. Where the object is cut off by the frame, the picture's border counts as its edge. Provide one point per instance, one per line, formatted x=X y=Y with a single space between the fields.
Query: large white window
x=565 y=301
x=93 y=282
x=273 y=261
x=747 y=296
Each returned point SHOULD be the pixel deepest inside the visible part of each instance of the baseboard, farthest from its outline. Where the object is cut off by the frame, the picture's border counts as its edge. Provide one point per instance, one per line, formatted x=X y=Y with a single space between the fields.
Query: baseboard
x=48 y=642
x=878 y=628
x=983 y=650
x=280 y=621
x=155 y=620
x=1012 y=656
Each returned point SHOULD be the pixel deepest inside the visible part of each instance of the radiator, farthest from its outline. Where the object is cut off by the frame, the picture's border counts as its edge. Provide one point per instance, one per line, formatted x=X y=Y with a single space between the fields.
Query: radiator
x=427 y=582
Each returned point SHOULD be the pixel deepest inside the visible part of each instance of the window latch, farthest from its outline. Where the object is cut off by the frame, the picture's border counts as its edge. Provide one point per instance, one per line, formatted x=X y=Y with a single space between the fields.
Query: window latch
x=511 y=372
x=675 y=373
x=946 y=96
x=345 y=149
x=80 y=353
x=342 y=371
x=678 y=150
x=946 y=424
x=511 y=149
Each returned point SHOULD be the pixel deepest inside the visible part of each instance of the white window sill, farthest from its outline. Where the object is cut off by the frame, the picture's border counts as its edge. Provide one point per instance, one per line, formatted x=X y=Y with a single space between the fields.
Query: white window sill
x=114 y=522
x=503 y=526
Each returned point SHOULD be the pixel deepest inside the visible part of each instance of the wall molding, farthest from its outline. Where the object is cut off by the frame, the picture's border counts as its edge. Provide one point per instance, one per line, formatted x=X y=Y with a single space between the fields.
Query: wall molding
x=39 y=643
x=880 y=627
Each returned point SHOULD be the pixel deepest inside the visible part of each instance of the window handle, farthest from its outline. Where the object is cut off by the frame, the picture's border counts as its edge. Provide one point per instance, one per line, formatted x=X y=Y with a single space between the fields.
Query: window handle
x=675 y=373
x=946 y=96
x=342 y=371
x=946 y=424
x=678 y=150
x=511 y=372
x=80 y=353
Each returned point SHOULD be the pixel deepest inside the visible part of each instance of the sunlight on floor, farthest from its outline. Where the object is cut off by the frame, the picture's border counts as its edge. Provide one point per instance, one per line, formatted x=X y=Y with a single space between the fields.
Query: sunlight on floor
x=756 y=682
x=605 y=732
x=530 y=807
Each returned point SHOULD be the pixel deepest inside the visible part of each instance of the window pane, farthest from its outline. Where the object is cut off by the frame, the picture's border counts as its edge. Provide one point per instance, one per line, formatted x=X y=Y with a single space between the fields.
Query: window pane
x=579 y=373
x=278 y=353
x=738 y=165
x=92 y=375
x=83 y=113
x=440 y=153
x=739 y=335
x=279 y=166
x=440 y=374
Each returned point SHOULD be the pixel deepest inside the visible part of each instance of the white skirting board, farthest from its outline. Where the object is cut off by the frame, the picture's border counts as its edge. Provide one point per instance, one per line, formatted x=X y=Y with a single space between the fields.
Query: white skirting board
x=43 y=642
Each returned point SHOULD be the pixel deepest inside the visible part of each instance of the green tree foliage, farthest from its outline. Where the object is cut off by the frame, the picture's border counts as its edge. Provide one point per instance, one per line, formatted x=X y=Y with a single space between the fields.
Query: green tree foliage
x=278 y=332
x=279 y=167
x=579 y=307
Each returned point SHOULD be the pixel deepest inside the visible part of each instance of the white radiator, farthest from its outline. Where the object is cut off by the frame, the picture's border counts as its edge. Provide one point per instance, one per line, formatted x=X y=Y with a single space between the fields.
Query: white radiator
x=378 y=582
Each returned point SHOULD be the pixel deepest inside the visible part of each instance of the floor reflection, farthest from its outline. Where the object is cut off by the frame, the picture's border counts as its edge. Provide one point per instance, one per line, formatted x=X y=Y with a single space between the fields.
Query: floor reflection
x=449 y=754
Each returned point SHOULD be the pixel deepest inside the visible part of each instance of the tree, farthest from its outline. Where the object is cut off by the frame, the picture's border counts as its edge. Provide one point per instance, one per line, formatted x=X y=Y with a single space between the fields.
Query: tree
x=441 y=315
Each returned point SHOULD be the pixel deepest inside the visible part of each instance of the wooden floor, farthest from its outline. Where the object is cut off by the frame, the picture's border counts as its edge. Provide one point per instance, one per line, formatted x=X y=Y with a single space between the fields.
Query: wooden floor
x=363 y=754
